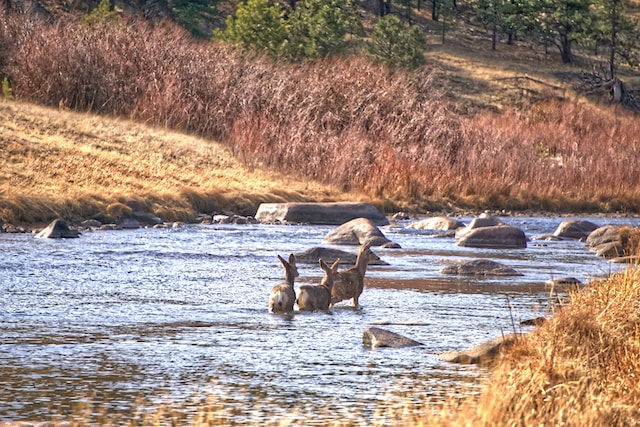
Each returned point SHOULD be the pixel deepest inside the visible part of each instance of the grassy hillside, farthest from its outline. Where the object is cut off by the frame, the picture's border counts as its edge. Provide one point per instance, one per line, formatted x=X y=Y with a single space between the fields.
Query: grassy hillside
x=475 y=128
x=72 y=165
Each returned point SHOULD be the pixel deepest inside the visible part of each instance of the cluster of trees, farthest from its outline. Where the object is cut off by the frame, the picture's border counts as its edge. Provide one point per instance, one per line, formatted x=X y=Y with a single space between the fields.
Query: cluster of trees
x=602 y=26
x=316 y=28
x=296 y=29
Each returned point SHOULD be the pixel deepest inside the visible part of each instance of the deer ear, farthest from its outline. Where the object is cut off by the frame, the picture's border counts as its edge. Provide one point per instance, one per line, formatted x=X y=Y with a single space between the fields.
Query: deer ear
x=282 y=260
x=334 y=266
x=292 y=259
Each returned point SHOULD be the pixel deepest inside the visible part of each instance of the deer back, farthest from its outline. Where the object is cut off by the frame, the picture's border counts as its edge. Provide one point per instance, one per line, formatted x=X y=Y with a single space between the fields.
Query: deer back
x=283 y=296
x=318 y=297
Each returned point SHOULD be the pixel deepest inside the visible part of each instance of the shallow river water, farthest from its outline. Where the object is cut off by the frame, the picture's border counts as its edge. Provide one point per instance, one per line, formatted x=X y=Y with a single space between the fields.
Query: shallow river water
x=115 y=324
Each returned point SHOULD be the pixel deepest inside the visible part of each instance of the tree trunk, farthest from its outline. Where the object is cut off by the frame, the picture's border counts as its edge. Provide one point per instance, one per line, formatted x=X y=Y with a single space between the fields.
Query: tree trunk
x=614 y=40
x=381 y=8
x=617 y=91
x=494 y=37
x=444 y=21
x=565 y=49
x=434 y=10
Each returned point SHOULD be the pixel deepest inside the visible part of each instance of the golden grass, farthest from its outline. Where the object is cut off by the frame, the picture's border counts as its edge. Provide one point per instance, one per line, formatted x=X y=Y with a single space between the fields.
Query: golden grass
x=579 y=369
x=60 y=163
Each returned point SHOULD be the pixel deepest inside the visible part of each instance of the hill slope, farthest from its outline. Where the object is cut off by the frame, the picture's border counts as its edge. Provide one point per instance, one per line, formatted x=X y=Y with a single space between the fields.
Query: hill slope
x=60 y=163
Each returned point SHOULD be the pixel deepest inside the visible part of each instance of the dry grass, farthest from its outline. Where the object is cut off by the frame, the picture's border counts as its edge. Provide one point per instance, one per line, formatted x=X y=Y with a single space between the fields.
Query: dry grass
x=59 y=163
x=579 y=369
x=441 y=137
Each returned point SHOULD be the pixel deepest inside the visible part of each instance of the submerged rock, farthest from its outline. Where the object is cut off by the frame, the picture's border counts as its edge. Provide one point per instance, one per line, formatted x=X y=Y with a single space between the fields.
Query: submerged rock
x=481 y=354
x=377 y=337
x=480 y=267
x=329 y=255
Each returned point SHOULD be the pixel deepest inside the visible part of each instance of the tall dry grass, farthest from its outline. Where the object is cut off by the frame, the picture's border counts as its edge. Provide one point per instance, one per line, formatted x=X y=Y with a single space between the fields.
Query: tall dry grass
x=579 y=369
x=342 y=121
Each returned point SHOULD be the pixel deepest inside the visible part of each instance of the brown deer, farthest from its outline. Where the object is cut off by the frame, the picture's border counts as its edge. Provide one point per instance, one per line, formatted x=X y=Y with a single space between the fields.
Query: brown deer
x=319 y=297
x=351 y=282
x=283 y=296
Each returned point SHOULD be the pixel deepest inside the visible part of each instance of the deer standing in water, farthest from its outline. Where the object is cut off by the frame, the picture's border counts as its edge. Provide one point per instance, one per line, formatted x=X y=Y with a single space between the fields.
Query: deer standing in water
x=283 y=296
x=351 y=282
x=319 y=297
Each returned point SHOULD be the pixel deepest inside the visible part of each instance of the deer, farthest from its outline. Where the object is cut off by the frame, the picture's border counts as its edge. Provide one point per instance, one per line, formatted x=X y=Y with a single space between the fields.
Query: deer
x=283 y=296
x=318 y=297
x=351 y=281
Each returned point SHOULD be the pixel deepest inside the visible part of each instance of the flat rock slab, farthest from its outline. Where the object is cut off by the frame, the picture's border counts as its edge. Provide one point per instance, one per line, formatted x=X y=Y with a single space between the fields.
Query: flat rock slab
x=480 y=267
x=329 y=255
x=481 y=354
x=377 y=337
x=57 y=229
x=319 y=213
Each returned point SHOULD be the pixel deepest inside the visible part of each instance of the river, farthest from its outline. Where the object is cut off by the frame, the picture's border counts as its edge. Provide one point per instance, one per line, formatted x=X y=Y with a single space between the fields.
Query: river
x=111 y=326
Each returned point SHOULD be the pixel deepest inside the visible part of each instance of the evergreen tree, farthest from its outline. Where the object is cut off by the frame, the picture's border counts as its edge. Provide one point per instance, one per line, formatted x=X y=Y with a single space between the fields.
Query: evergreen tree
x=319 y=27
x=617 y=31
x=567 y=21
x=257 y=26
x=396 y=43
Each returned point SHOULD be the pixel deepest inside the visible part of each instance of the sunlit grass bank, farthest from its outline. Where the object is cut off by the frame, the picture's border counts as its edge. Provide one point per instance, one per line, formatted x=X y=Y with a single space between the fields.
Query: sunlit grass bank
x=64 y=164
x=579 y=369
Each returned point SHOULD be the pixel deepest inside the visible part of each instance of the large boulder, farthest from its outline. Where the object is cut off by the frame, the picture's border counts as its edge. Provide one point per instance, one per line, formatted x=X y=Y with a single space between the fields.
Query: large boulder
x=482 y=354
x=612 y=241
x=496 y=237
x=479 y=222
x=329 y=255
x=356 y=232
x=377 y=337
x=58 y=229
x=603 y=235
x=577 y=229
x=441 y=223
x=480 y=267
x=319 y=213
